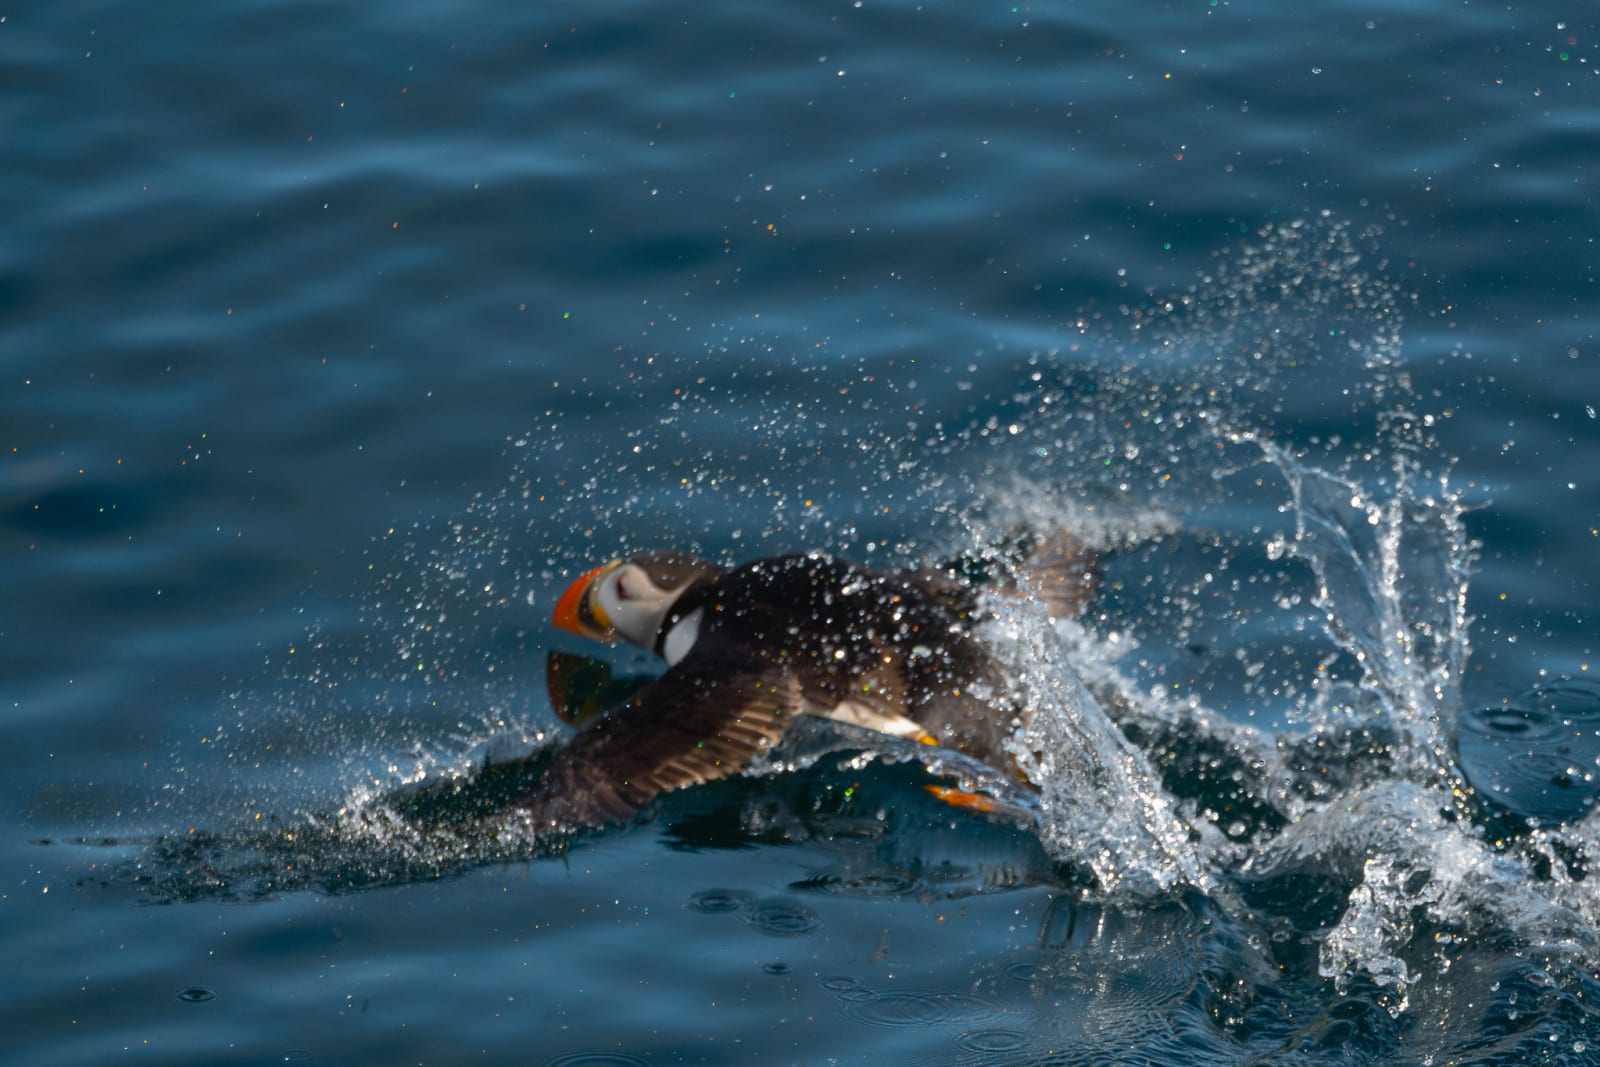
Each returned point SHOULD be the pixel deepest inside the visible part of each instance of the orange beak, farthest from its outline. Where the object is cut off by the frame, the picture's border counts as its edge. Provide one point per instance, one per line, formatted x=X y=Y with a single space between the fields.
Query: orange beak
x=578 y=613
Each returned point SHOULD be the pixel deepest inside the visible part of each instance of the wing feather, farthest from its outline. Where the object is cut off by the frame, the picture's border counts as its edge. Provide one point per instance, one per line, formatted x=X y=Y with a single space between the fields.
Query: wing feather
x=698 y=722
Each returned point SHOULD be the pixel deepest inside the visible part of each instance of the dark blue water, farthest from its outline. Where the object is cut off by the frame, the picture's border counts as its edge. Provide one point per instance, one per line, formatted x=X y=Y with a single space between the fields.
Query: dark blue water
x=335 y=338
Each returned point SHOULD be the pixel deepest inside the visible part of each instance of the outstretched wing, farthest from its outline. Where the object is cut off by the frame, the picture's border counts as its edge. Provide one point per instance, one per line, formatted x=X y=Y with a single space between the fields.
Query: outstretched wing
x=696 y=723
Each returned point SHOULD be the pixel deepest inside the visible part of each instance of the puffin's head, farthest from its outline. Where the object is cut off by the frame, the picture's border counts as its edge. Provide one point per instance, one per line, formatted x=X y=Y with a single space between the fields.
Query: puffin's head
x=630 y=598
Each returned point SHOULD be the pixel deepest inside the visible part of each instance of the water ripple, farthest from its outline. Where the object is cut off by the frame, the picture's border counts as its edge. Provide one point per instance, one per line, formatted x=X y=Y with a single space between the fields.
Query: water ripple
x=598 y=1058
x=915 y=1009
x=992 y=1041
x=1535 y=754
x=720 y=901
x=783 y=919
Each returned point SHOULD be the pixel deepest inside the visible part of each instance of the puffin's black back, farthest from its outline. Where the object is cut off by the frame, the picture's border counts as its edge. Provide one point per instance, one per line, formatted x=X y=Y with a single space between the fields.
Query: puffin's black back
x=899 y=642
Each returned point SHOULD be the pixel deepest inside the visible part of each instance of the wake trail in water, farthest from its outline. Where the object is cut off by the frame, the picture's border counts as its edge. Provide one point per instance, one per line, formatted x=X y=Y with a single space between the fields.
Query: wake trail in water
x=1254 y=732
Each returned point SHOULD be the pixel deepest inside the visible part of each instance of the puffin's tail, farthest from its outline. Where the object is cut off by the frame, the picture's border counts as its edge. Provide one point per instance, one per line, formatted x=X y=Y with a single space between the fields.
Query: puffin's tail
x=1060 y=571
x=1056 y=568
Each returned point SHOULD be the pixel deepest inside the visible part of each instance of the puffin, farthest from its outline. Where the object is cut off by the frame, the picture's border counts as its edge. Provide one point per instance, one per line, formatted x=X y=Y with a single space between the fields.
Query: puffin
x=751 y=650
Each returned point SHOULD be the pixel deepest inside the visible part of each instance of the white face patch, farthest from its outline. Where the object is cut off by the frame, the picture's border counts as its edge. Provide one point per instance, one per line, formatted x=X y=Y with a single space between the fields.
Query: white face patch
x=634 y=604
x=681 y=638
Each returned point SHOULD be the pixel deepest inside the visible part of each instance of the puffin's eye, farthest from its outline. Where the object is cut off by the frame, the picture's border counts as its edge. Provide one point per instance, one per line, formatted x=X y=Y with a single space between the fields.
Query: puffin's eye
x=622 y=590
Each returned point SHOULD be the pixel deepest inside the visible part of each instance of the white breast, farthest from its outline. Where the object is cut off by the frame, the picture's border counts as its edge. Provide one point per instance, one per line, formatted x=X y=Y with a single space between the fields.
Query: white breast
x=873 y=719
x=681 y=638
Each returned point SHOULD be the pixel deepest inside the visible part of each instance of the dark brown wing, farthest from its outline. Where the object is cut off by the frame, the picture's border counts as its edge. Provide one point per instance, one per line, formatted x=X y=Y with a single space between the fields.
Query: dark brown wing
x=696 y=723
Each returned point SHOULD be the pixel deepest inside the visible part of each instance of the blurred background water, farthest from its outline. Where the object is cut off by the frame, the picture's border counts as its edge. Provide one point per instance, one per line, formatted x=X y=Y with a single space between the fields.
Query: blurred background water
x=335 y=338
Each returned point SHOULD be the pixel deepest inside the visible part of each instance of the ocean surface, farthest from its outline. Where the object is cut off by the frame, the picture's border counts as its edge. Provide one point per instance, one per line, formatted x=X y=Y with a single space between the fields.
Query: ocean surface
x=336 y=338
